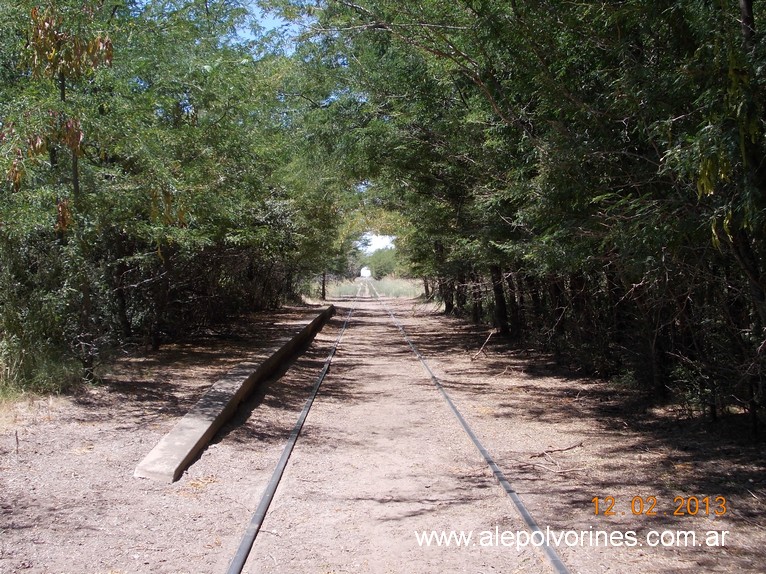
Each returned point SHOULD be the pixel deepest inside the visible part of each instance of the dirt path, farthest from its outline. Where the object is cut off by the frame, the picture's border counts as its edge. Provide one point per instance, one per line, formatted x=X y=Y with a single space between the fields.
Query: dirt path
x=381 y=457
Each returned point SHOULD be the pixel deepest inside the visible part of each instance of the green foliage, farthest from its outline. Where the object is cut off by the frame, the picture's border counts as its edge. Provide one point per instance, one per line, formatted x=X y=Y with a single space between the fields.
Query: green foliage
x=149 y=180
x=387 y=287
x=591 y=171
x=587 y=175
x=398 y=287
x=382 y=262
x=343 y=289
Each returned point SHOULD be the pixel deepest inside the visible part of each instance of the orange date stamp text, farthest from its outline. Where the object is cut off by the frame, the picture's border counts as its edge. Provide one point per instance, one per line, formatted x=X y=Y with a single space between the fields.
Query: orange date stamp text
x=653 y=506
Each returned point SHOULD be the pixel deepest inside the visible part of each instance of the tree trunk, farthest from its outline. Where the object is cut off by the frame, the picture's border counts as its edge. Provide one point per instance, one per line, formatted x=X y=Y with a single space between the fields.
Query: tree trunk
x=477 y=309
x=746 y=257
x=461 y=294
x=75 y=177
x=747 y=22
x=87 y=346
x=558 y=307
x=534 y=293
x=659 y=360
x=119 y=292
x=501 y=308
x=324 y=285
x=578 y=293
x=447 y=292
x=516 y=300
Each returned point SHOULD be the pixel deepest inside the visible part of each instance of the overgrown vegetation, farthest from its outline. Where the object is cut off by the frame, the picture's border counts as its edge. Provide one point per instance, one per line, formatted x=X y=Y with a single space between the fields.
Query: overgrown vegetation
x=386 y=287
x=588 y=176
x=384 y=262
x=151 y=180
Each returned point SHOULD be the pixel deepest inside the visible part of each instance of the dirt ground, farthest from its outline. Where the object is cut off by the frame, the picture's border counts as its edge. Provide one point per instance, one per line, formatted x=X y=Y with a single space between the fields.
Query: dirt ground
x=380 y=459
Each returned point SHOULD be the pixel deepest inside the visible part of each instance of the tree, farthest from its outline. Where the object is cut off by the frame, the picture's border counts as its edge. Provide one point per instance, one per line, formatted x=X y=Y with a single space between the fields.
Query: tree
x=147 y=189
x=570 y=161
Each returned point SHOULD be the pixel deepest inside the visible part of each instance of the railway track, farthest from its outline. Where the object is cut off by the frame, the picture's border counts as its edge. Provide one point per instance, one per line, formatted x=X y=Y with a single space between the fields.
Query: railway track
x=367 y=290
x=248 y=539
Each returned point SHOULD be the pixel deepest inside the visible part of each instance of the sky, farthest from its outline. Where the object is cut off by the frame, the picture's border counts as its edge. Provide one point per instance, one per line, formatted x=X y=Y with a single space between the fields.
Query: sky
x=268 y=21
x=378 y=242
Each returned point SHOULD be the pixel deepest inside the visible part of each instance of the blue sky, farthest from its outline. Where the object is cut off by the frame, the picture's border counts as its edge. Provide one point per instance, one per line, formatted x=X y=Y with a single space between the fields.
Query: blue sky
x=268 y=21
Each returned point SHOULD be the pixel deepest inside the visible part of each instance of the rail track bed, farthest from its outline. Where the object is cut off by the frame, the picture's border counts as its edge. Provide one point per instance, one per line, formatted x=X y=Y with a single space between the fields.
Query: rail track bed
x=380 y=459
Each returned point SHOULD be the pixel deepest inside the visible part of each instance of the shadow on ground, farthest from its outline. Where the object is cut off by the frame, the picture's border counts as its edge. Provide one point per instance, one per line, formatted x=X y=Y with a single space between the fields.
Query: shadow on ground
x=688 y=455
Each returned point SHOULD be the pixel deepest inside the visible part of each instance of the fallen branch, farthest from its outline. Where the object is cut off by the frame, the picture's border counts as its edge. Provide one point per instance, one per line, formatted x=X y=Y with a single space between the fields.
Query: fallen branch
x=480 y=351
x=550 y=469
x=547 y=452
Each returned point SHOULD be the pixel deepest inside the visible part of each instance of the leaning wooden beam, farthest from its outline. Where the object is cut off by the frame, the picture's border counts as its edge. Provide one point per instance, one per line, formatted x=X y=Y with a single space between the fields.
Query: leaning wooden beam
x=175 y=451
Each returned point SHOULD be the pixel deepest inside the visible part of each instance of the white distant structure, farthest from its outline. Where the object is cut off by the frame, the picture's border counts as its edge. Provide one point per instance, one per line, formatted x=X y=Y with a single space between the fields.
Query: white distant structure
x=365 y=272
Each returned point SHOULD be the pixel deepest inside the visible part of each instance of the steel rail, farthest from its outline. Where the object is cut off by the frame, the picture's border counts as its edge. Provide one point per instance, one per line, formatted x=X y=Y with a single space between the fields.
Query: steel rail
x=549 y=552
x=248 y=539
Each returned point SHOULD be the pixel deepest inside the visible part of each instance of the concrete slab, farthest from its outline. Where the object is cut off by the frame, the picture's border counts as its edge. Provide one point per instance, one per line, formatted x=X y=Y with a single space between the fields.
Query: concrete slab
x=170 y=457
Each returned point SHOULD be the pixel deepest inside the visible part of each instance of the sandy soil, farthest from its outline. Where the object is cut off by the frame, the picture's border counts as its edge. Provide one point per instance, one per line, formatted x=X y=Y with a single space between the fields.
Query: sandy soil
x=381 y=458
